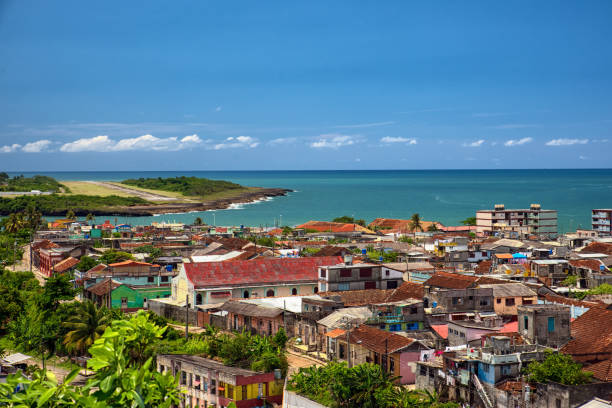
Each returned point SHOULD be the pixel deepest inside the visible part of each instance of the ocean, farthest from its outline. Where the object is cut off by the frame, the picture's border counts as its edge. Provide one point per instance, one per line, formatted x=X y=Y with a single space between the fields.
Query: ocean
x=448 y=196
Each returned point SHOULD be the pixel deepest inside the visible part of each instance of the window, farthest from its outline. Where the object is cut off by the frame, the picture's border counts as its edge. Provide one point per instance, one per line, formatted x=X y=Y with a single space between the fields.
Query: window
x=391 y=364
x=498 y=301
x=365 y=273
x=422 y=370
x=376 y=358
x=164 y=279
x=343 y=286
x=323 y=273
x=190 y=380
x=270 y=293
x=294 y=291
x=484 y=302
x=213 y=387
x=345 y=273
x=392 y=284
x=551 y=324
x=245 y=294
x=244 y=392
x=341 y=351
x=413 y=310
x=509 y=301
x=526 y=322
x=557 y=403
x=124 y=302
x=230 y=391
x=197 y=383
x=315 y=290
x=199 y=299
x=386 y=272
x=370 y=285
x=183 y=378
x=150 y=279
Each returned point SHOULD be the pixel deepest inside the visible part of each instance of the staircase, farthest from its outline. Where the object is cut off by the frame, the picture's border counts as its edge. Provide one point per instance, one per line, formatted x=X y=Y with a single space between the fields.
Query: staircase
x=486 y=400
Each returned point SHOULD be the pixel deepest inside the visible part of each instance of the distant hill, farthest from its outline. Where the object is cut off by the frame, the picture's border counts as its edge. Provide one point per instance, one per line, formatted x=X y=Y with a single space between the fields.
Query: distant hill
x=188 y=186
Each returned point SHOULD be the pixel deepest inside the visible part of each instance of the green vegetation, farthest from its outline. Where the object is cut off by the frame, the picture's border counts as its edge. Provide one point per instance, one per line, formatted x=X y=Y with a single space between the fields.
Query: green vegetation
x=188 y=186
x=365 y=385
x=603 y=289
x=469 y=221
x=406 y=239
x=349 y=220
x=124 y=374
x=559 y=368
x=27 y=184
x=149 y=249
x=113 y=256
x=55 y=204
x=86 y=326
x=415 y=223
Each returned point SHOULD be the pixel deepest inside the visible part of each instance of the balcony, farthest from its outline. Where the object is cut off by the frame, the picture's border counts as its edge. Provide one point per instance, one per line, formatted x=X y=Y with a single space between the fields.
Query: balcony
x=386 y=319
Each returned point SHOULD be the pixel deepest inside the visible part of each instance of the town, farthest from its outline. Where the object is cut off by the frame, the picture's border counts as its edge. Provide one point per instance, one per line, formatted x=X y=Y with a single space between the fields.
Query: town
x=500 y=311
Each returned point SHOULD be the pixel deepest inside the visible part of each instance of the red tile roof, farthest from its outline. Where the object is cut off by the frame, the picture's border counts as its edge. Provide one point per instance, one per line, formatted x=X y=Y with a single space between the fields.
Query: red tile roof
x=441 y=329
x=328 y=226
x=65 y=265
x=362 y=297
x=573 y=302
x=591 y=336
x=602 y=371
x=598 y=248
x=451 y=280
x=45 y=244
x=257 y=271
x=97 y=268
x=129 y=263
x=483 y=268
x=334 y=334
x=103 y=287
x=592 y=264
x=408 y=290
x=380 y=341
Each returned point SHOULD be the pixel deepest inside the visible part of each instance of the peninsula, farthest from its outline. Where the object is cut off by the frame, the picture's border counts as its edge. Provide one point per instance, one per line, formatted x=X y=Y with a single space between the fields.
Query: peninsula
x=133 y=197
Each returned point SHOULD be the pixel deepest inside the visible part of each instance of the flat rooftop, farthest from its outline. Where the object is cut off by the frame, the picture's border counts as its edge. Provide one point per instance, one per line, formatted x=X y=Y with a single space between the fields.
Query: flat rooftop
x=210 y=364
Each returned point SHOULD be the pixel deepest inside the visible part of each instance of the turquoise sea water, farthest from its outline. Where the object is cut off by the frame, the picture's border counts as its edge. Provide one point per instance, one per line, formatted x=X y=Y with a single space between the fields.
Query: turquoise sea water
x=445 y=195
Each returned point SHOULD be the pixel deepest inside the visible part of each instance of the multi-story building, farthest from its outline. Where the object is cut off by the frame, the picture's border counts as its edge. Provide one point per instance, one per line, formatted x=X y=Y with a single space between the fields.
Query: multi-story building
x=208 y=383
x=518 y=222
x=602 y=221
x=349 y=276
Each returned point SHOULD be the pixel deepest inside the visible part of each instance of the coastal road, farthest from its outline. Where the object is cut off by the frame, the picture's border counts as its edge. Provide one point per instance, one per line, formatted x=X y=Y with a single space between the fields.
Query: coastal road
x=138 y=193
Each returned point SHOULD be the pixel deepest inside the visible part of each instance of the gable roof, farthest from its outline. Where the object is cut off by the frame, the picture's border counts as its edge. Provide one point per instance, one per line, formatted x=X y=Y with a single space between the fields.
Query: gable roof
x=483 y=267
x=380 y=341
x=250 y=309
x=401 y=225
x=407 y=290
x=448 y=280
x=329 y=226
x=592 y=264
x=103 y=287
x=602 y=371
x=98 y=268
x=65 y=264
x=591 y=335
x=129 y=263
x=509 y=290
x=256 y=271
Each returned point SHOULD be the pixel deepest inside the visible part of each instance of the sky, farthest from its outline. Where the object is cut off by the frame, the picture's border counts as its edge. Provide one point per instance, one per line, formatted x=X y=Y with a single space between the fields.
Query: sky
x=232 y=85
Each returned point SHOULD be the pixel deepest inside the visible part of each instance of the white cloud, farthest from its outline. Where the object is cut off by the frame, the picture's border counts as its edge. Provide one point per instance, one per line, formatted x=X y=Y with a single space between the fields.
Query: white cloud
x=518 y=142
x=365 y=125
x=391 y=139
x=282 y=140
x=334 y=141
x=477 y=143
x=95 y=144
x=10 y=149
x=145 y=142
x=231 y=142
x=36 y=147
x=566 y=142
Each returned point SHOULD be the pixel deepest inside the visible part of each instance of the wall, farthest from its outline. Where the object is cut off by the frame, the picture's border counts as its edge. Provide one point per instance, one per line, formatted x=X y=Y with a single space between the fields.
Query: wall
x=172 y=312
x=502 y=309
x=293 y=400
x=408 y=366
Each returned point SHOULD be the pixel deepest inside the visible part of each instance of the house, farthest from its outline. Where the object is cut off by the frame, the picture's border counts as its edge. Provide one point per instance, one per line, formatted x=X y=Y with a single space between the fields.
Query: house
x=590 y=272
x=215 y=282
x=533 y=221
x=263 y=320
x=208 y=383
x=507 y=296
x=117 y=295
x=547 y=325
x=447 y=293
x=395 y=354
x=49 y=256
x=602 y=221
x=401 y=226
x=469 y=332
x=334 y=227
x=349 y=276
x=550 y=272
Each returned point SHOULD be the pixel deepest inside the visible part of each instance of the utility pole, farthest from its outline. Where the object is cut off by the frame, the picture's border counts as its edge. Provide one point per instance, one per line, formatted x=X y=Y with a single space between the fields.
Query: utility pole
x=31 y=239
x=187 y=317
x=387 y=354
x=348 y=344
x=14 y=254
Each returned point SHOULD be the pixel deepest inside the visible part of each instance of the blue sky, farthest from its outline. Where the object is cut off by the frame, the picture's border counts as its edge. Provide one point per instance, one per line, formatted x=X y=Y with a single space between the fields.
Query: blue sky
x=203 y=85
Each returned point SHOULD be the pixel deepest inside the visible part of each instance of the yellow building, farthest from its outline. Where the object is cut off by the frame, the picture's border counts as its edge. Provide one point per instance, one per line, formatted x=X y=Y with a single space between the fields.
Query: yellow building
x=209 y=384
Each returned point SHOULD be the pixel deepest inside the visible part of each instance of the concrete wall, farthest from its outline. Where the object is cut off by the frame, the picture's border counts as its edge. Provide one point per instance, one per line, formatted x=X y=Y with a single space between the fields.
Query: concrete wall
x=172 y=312
x=293 y=400
x=569 y=396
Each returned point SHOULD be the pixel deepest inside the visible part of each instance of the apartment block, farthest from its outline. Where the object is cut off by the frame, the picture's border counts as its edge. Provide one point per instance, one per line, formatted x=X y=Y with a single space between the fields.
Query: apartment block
x=602 y=220
x=517 y=223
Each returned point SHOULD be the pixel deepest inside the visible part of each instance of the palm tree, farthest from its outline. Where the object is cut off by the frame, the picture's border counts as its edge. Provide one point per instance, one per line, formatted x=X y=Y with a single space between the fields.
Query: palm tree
x=415 y=223
x=33 y=217
x=85 y=327
x=70 y=214
x=14 y=222
x=90 y=217
x=198 y=221
x=433 y=227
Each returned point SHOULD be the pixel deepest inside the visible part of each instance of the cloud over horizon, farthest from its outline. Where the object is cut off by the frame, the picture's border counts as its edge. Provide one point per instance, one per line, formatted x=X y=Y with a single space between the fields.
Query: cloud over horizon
x=399 y=139
x=566 y=142
x=518 y=142
x=477 y=143
x=334 y=141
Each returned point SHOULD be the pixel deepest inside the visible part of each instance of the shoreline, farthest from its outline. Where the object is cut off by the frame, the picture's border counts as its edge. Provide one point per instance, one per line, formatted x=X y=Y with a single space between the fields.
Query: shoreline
x=146 y=210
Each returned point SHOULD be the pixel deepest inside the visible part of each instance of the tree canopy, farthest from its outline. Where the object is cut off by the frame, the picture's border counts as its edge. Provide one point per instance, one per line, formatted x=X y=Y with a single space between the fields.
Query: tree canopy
x=189 y=186
x=559 y=368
